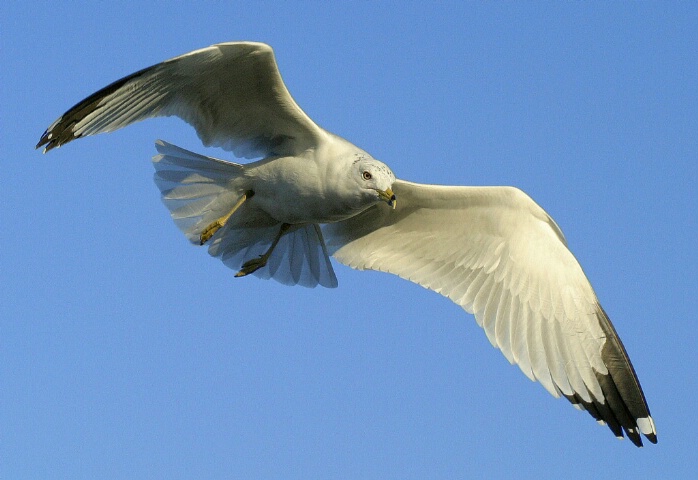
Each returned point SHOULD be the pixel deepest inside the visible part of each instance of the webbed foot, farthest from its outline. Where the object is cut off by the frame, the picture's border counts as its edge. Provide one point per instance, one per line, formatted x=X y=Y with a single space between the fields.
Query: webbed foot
x=214 y=226
x=253 y=265
x=209 y=231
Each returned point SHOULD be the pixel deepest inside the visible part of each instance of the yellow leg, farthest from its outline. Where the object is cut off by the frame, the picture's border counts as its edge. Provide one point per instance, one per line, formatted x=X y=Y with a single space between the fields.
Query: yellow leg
x=257 y=263
x=209 y=231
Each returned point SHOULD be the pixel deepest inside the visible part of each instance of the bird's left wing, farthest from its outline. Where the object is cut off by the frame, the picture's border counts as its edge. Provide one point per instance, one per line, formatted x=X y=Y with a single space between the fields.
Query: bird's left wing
x=232 y=93
x=496 y=253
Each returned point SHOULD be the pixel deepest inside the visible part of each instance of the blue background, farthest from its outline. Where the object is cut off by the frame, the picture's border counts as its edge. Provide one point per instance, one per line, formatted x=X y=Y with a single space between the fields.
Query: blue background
x=127 y=353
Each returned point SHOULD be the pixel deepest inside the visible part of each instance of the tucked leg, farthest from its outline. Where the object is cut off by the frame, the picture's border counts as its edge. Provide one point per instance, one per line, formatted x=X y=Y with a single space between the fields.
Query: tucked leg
x=213 y=227
x=255 y=264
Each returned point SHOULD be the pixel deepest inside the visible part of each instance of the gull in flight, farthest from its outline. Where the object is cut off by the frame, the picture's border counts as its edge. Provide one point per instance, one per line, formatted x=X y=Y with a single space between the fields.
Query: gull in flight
x=311 y=194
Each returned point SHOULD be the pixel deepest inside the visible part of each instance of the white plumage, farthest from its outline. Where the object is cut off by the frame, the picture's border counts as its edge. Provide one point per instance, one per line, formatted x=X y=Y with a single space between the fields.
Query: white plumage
x=491 y=250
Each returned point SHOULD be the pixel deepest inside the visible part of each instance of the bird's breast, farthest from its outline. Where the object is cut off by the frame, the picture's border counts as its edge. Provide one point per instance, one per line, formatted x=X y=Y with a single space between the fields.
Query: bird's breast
x=296 y=190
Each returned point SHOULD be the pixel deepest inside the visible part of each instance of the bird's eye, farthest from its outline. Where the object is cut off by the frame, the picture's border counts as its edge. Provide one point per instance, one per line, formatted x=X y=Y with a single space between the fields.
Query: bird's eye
x=367 y=175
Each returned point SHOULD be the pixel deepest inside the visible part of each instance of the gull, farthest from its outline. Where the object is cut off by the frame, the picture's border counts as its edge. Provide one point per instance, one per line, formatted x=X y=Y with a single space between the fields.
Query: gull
x=310 y=194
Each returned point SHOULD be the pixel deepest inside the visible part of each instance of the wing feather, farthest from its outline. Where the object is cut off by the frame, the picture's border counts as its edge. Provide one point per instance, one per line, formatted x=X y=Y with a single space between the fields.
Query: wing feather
x=502 y=325
x=497 y=254
x=521 y=346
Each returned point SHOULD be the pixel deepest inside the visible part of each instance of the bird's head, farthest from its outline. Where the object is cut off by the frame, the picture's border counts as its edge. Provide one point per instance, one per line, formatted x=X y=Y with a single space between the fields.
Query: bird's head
x=375 y=180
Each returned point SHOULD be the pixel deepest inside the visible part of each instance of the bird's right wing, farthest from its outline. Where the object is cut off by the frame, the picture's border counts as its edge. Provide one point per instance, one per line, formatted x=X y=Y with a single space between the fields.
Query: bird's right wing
x=232 y=93
x=496 y=253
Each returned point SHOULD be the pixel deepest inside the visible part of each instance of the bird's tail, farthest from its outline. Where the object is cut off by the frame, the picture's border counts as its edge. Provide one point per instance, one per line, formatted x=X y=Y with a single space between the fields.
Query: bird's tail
x=196 y=189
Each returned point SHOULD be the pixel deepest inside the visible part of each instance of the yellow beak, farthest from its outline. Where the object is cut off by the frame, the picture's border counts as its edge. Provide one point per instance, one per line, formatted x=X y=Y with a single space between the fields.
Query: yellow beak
x=388 y=197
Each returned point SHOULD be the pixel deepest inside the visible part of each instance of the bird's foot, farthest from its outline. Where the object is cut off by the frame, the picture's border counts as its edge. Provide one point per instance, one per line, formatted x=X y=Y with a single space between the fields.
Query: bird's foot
x=214 y=226
x=252 y=266
x=209 y=231
x=255 y=264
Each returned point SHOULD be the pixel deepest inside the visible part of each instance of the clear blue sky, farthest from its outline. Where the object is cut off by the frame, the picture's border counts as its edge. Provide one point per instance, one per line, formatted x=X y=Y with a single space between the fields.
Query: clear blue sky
x=127 y=353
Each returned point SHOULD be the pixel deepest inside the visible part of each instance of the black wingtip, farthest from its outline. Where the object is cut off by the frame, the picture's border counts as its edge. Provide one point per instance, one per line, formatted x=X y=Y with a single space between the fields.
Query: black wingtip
x=635 y=437
x=622 y=407
x=622 y=387
x=50 y=140
x=44 y=140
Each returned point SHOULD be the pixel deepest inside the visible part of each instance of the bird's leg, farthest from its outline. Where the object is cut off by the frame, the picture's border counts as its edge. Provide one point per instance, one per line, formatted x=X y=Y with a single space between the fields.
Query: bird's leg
x=213 y=227
x=255 y=264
